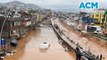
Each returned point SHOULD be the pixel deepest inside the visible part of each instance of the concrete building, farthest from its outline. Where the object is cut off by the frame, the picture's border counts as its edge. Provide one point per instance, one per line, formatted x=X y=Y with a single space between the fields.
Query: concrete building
x=98 y=16
x=17 y=25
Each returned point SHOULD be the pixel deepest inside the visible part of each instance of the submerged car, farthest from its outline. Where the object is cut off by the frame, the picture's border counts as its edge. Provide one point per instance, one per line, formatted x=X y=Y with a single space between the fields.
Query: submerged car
x=44 y=45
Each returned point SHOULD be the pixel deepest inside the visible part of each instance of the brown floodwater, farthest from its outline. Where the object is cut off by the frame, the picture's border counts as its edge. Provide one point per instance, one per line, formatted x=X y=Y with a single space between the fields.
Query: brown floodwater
x=28 y=48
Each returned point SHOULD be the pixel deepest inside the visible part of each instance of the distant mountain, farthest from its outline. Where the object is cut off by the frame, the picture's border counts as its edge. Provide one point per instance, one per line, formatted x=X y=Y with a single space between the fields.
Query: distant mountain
x=21 y=5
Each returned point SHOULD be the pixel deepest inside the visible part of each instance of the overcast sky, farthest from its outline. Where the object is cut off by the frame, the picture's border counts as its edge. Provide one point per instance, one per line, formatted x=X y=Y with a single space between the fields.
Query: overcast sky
x=61 y=4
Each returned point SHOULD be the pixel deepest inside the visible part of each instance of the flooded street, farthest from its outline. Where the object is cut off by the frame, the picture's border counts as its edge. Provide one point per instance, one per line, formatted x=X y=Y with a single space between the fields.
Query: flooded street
x=85 y=43
x=28 y=48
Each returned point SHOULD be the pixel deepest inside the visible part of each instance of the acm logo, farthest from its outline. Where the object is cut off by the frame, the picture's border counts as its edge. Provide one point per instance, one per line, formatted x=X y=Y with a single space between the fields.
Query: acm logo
x=88 y=5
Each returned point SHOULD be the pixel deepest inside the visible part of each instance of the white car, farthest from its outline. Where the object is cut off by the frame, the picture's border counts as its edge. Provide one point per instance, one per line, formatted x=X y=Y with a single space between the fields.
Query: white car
x=44 y=45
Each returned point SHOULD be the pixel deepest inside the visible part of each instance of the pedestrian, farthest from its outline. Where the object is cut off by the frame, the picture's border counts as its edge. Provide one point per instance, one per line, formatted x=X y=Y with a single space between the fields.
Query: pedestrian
x=100 y=56
x=78 y=53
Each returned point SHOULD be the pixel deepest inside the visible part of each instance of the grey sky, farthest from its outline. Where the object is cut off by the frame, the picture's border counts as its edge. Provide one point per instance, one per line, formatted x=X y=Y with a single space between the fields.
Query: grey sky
x=61 y=4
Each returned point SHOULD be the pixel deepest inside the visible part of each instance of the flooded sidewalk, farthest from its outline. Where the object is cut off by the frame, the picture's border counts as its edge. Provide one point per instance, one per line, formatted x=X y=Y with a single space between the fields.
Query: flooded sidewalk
x=28 y=48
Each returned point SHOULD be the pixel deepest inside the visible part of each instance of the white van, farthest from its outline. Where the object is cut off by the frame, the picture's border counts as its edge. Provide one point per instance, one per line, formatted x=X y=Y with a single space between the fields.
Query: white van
x=97 y=29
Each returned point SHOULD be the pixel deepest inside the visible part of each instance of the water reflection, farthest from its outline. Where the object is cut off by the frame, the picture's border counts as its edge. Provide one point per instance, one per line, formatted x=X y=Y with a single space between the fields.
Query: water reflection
x=43 y=51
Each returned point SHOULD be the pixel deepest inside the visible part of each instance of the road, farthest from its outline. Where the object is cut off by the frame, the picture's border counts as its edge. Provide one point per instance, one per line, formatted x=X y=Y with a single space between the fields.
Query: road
x=87 y=45
x=28 y=48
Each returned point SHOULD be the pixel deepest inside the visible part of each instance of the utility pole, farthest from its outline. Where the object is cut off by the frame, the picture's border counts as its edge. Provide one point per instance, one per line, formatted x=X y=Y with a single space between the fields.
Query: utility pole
x=3 y=48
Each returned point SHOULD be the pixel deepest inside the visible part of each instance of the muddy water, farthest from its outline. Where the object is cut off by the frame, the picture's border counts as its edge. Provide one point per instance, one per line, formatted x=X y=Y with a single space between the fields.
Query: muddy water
x=29 y=47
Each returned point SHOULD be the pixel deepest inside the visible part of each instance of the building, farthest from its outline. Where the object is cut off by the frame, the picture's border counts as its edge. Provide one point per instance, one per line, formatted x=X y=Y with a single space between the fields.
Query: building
x=17 y=24
x=6 y=27
x=98 y=16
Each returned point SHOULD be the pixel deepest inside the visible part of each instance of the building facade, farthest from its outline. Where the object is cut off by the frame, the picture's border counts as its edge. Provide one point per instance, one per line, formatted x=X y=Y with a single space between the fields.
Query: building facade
x=16 y=27
x=98 y=16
